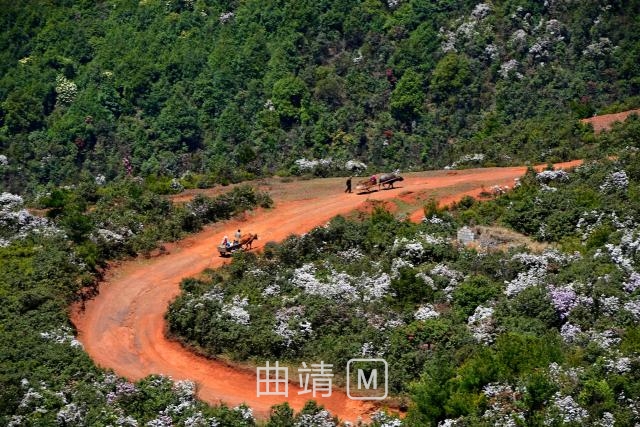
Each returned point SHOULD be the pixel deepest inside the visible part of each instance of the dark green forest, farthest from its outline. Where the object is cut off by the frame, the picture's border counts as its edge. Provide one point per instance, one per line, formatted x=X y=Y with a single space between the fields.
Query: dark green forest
x=106 y=106
x=219 y=91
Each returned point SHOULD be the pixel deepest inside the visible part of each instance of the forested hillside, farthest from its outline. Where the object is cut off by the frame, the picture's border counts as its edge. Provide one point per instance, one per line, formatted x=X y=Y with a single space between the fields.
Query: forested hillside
x=488 y=334
x=215 y=91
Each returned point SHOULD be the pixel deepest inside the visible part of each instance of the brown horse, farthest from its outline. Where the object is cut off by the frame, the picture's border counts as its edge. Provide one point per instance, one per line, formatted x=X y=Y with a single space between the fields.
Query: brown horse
x=246 y=240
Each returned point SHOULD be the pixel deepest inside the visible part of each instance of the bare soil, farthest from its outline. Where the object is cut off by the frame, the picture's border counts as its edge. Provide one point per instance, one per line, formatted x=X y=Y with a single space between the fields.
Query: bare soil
x=605 y=121
x=123 y=327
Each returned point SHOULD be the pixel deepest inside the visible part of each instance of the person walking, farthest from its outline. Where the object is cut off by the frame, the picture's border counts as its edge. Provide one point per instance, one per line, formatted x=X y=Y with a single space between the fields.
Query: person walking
x=348 y=189
x=236 y=237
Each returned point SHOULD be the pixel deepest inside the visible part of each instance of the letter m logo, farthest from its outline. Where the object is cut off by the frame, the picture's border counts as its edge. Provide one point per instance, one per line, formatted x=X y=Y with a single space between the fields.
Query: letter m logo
x=372 y=379
x=362 y=379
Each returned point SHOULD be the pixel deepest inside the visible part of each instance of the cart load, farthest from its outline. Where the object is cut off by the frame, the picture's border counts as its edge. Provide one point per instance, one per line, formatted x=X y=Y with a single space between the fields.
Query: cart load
x=227 y=248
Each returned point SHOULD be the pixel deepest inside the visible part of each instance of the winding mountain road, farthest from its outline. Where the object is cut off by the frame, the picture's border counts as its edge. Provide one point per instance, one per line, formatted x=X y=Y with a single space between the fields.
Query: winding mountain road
x=123 y=328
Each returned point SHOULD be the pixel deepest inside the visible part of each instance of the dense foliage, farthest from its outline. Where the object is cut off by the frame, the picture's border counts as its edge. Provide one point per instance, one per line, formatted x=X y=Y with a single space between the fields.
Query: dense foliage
x=46 y=378
x=107 y=106
x=127 y=218
x=474 y=336
x=225 y=90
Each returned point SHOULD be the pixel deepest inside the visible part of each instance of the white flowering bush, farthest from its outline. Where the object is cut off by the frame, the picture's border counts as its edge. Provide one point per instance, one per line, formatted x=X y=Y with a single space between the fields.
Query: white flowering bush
x=466 y=159
x=290 y=324
x=338 y=286
x=321 y=418
x=109 y=399
x=382 y=419
x=569 y=411
x=537 y=266
x=412 y=251
x=66 y=90
x=547 y=176
x=481 y=10
x=16 y=223
x=306 y=166
x=632 y=283
x=426 y=312
x=633 y=307
x=236 y=310
x=481 y=324
x=615 y=181
x=62 y=335
x=354 y=166
x=226 y=17
x=570 y=333
x=600 y=48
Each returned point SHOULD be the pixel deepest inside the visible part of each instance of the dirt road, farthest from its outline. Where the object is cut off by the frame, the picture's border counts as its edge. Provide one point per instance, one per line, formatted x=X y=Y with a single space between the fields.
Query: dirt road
x=606 y=121
x=123 y=327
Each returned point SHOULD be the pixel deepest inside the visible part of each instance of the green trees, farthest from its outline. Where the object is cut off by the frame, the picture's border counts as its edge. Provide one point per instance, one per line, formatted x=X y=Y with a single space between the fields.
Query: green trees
x=204 y=78
x=177 y=126
x=408 y=97
x=451 y=74
x=289 y=97
x=23 y=111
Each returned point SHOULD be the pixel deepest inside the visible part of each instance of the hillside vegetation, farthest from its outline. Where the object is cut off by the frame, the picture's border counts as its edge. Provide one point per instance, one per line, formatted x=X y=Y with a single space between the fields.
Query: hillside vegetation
x=48 y=263
x=217 y=91
x=106 y=105
x=473 y=337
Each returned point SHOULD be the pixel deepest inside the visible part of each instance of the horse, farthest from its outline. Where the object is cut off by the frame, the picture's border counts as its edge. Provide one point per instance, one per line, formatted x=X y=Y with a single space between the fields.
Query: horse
x=387 y=179
x=246 y=240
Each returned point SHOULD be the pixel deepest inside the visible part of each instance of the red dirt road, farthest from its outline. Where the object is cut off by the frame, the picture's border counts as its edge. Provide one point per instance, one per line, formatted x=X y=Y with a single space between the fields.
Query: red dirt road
x=605 y=121
x=123 y=328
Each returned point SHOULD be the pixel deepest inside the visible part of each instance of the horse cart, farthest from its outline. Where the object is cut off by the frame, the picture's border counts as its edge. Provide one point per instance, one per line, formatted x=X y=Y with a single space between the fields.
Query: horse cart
x=386 y=181
x=226 y=251
x=366 y=186
x=245 y=243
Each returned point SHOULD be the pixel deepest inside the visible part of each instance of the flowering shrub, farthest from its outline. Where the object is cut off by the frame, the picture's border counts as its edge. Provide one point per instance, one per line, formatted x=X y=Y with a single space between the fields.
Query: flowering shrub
x=382 y=419
x=17 y=223
x=570 y=333
x=354 y=165
x=633 y=283
x=616 y=181
x=320 y=419
x=226 y=17
x=426 y=312
x=563 y=299
x=62 y=335
x=467 y=158
x=304 y=165
x=66 y=90
x=603 y=47
x=481 y=10
x=290 y=324
x=481 y=324
x=109 y=400
x=236 y=310
x=569 y=411
x=552 y=175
